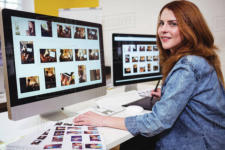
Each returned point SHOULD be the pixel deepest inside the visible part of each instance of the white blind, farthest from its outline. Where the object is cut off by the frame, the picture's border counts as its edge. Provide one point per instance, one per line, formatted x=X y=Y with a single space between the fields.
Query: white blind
x=12 y=4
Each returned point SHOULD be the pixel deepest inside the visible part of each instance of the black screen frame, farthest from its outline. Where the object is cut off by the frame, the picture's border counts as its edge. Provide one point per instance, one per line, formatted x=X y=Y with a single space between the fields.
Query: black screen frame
x=10 y=63
x=117 y=63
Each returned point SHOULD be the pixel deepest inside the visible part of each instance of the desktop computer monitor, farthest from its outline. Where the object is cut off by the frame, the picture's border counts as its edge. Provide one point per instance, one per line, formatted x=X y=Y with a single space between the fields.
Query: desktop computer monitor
x=135 y=59
x=50 y=62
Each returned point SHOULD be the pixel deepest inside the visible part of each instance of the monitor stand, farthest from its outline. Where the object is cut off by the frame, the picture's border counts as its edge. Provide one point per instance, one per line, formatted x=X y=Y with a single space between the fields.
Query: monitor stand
x=58 y=115
x=130 y=87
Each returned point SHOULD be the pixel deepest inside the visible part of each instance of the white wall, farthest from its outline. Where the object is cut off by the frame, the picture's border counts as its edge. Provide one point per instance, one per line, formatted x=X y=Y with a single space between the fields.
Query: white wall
x=28 y=5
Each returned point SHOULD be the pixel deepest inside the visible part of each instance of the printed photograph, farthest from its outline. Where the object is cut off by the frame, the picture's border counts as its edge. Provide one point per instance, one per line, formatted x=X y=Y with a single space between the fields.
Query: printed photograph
x=66 y=55
x=127 y=58
x=92 y=128
x=93 y=146
x=73 y=128
x=95 y=74
x=46 y=132
x=80 y=54
x=58 y=123
x=50 y=80
x=135 y=68
x=82 y=73
x=79 y=33
x=58 y=133
x=91 y=132
x=67 y=79
x=53 y=146
x=63 y=31
x=29 y=84
x=48 y=55
x=92 y=34
x=57 y=138
x=46 y=29
x=76 y=138
x=93 y=54
x=36 y=142
x=77 y=146
x=60 y=128
x=27 y=52
x=67 y=124
x=41 y=137
x=127 y=70
x=73 y=132
x=95 y=138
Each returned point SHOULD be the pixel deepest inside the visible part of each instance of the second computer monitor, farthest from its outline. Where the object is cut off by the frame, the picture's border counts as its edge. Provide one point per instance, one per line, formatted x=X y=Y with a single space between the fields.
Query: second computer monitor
x=135 y=59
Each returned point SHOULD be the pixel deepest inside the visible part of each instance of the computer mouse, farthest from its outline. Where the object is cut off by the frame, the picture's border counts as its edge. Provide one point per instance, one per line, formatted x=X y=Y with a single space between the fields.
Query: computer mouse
x=134 y=109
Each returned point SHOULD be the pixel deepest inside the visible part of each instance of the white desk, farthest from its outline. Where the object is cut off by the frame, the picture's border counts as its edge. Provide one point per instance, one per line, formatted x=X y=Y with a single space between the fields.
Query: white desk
x=13 y=130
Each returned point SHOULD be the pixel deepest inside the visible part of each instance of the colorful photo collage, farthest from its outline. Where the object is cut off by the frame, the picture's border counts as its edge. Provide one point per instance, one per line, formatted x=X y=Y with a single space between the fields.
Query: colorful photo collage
x=69 y=136
x=50 y=58
x=30 y=28
x=140 y=59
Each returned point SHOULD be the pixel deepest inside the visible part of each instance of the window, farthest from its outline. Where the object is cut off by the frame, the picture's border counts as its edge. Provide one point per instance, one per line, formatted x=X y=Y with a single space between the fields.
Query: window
x=12 y=4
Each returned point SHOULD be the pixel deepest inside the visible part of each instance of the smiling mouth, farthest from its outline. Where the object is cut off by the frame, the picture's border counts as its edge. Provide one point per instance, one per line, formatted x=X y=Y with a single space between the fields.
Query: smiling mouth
x=165 y=39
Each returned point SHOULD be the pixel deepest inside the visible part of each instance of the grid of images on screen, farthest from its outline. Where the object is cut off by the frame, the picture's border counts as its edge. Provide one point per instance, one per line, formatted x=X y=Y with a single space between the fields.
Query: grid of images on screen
x=32 y=83
x=140 y=59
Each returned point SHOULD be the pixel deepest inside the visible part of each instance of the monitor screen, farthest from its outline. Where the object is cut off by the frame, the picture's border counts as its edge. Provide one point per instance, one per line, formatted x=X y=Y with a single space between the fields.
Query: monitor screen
x=135 y=59
x=51 y=58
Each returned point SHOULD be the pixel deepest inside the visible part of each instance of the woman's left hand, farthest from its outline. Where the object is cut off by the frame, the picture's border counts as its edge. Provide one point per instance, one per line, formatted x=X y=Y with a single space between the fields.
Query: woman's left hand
x=89 y=119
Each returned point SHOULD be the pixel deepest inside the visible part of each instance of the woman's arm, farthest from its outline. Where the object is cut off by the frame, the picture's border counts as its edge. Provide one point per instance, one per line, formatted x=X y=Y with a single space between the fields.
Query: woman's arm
x=94 y=119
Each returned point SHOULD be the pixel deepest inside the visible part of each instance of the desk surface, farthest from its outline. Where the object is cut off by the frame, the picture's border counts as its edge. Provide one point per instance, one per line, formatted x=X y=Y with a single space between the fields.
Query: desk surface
x=11 y=131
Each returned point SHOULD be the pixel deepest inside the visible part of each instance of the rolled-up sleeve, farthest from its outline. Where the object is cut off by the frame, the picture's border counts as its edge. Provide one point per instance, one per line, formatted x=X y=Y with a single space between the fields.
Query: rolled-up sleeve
x=177 y=90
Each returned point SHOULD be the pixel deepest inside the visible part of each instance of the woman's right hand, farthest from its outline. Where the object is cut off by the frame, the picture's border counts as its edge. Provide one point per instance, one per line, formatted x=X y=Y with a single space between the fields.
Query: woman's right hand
x=157 y=93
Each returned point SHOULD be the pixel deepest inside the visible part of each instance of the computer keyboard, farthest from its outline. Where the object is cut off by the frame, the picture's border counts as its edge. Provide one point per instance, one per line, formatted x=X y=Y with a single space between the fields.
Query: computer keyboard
x=113 y=103
x=144 y=93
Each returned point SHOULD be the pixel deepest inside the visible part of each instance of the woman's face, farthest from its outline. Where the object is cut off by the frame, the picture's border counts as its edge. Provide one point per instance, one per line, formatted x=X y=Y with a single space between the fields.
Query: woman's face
x=168 y=30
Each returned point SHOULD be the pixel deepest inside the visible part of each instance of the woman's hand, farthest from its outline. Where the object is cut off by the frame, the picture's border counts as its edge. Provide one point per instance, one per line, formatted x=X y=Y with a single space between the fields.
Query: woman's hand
x=89 y=119
x=157 y=93
x=94 y=119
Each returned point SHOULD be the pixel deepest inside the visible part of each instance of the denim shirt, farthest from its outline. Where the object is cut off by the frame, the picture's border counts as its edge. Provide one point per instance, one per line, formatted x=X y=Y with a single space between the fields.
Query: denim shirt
x=191 y=112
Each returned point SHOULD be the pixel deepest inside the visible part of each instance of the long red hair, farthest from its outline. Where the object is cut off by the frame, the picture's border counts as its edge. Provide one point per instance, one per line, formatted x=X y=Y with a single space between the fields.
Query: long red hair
x=197 y=39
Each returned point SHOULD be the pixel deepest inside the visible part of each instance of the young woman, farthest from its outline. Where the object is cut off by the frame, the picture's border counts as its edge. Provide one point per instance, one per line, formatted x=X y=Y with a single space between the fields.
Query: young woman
x=191 y=112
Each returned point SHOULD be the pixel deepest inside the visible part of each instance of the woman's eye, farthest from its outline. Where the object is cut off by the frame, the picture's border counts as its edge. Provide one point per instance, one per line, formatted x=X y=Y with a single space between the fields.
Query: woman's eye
x=161 y=23
x=172 y=23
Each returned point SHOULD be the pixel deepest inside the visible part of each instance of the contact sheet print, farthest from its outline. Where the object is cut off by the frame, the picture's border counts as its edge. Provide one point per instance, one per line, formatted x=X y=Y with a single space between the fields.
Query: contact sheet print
x=63 y=136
